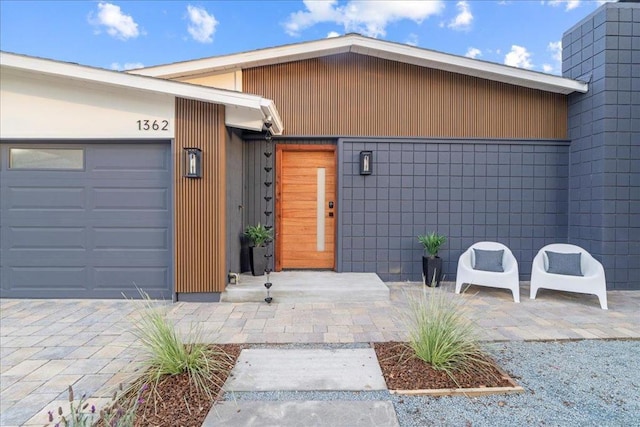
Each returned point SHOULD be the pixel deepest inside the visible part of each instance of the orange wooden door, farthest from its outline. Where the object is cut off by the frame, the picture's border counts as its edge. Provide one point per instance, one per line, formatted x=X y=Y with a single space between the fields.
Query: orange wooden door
x=305 y=207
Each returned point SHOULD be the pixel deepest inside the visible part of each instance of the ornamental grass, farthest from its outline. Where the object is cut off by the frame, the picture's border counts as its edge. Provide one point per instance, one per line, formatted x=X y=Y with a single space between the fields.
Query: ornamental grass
x=165 y=353
x=440 y=334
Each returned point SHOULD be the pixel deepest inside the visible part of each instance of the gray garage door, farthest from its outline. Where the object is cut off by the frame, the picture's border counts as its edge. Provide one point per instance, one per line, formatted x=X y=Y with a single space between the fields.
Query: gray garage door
x=89 y=220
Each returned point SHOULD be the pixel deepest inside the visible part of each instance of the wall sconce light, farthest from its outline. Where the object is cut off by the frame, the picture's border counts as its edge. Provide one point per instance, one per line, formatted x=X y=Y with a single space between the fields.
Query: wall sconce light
x=192 y=162
x=366 y=162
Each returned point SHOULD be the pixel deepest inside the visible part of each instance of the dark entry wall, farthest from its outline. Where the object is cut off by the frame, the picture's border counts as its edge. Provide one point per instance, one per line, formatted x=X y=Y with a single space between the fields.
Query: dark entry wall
x=235 y=205
x=514 y=192
x=254 y=176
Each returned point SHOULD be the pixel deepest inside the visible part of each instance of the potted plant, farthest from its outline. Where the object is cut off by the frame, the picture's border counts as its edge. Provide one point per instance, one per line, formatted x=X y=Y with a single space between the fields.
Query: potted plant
x=259 y=235
x=432 y=264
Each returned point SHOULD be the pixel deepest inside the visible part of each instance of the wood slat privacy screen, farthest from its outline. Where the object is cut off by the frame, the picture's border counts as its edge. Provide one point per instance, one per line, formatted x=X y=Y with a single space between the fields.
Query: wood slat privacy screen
x=200 y=203
x=359 y=95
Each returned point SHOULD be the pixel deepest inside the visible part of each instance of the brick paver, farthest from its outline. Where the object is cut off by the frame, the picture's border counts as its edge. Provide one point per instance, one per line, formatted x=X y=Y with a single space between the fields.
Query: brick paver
x=47 y=345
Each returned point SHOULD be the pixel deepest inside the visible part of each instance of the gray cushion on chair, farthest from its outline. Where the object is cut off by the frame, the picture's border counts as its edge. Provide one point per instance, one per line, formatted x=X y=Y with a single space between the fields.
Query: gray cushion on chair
x=488 y=260
x=561 y=263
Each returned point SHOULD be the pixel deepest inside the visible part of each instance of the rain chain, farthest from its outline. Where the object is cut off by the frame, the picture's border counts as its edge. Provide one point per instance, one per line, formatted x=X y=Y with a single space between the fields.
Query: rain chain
x=268 y=184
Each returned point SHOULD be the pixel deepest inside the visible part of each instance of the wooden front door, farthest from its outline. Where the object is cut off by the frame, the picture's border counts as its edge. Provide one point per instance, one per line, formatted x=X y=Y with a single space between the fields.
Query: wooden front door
x=305 y=206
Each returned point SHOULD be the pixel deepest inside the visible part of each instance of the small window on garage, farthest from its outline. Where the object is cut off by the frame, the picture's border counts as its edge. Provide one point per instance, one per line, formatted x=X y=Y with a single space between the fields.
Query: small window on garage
x=46 y=158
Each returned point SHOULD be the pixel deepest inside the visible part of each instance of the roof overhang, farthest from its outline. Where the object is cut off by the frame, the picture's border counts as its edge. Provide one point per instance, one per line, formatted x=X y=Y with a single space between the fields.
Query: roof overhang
x=242 y=110
x=373 y=47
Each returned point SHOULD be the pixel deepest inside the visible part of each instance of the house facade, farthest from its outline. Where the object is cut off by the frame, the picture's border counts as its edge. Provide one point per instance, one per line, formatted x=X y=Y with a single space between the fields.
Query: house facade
x=94 y=198
x=469 y=149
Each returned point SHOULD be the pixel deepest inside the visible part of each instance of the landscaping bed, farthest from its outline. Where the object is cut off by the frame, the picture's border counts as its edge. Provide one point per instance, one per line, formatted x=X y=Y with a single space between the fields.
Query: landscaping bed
x=406 y=374
x=176 y=402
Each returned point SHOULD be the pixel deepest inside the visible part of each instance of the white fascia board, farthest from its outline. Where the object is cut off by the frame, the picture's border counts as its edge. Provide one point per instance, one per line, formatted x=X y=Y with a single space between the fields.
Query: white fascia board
x=255 y=58
x=468 y=66
x=372 y=47
x=271 y=112
x=144 y=83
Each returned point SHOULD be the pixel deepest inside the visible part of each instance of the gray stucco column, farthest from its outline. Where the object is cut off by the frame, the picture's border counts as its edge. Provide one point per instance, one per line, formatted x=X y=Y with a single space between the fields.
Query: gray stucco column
x=604 y=127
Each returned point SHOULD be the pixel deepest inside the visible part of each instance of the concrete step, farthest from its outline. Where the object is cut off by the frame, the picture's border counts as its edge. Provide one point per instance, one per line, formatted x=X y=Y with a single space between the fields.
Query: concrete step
x=309 y=286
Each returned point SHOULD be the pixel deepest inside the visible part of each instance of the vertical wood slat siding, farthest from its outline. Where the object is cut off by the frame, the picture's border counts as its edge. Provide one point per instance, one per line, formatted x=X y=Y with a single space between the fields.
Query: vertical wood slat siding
x=200 y=203
x=350 y=94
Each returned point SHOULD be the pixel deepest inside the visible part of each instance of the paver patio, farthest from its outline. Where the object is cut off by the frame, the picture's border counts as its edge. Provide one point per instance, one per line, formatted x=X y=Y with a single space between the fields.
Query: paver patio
x=46 y=345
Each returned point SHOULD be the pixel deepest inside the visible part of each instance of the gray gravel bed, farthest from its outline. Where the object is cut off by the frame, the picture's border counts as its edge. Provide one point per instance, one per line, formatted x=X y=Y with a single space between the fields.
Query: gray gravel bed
x=567 y=383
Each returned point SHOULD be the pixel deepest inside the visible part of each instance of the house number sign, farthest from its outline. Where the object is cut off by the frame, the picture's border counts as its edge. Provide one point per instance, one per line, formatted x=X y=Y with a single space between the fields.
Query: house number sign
x=151 y=125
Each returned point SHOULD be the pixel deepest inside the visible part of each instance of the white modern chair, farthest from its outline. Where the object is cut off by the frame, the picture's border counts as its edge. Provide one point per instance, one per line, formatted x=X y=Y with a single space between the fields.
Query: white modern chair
x=468 y=271
x=592 y=280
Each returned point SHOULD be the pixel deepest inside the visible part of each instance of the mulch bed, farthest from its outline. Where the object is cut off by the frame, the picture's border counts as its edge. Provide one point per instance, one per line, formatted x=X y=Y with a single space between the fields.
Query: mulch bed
x=402 y=371
x=177 y=402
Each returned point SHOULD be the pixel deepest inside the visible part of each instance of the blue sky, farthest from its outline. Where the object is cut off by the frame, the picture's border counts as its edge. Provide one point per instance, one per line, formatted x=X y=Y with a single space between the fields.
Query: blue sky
x=130 y=34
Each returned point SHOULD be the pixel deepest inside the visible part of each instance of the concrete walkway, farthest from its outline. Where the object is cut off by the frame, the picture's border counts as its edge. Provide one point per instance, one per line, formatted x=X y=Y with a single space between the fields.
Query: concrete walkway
x=319 y=370
x=46 y=345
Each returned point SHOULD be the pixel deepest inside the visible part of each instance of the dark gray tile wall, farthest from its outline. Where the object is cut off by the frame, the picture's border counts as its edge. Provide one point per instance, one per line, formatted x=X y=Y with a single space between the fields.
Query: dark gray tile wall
x=604 y=126
x=514 y=192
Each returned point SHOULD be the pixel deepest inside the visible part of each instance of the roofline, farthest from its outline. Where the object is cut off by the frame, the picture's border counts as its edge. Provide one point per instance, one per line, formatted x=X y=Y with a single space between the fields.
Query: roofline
x=146 y=83
x=369 y=46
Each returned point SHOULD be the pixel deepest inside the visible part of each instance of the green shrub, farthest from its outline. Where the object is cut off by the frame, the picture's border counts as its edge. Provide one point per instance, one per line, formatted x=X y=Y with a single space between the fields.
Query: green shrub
x=432 y=242
x=258 y=234
x=440 y=334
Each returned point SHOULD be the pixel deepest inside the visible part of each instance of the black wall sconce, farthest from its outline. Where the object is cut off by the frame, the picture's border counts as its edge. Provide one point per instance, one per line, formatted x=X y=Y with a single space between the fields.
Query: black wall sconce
x=192 y=162
x=366 y=162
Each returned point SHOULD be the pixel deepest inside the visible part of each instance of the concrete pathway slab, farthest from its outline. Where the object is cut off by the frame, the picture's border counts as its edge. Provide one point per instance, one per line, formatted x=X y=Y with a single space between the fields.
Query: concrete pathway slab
x=308 y=414
x=305 y=370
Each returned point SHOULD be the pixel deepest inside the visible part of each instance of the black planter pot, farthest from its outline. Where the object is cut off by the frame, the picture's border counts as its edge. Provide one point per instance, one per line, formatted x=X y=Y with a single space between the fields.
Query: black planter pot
x=432 y=266
x=245 y=255
x=258 y=260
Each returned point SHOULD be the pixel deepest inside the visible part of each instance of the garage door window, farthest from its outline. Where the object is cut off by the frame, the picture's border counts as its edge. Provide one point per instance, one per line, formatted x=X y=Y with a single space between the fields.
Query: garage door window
x=46 y=158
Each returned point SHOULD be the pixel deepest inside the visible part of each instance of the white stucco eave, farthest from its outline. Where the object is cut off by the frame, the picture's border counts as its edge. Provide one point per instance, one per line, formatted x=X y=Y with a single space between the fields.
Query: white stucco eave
x=243 y=110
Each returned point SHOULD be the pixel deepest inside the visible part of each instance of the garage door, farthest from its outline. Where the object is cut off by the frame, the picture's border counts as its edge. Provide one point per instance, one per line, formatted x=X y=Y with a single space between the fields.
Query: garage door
x=89 y=220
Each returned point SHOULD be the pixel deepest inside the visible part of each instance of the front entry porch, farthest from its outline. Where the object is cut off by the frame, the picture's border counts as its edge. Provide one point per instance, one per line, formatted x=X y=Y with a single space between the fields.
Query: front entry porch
x=309 y=286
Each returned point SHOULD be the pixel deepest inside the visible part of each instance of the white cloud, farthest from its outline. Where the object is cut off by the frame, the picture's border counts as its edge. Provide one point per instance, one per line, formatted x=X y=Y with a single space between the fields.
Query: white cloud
x=473 y=52
x=556 y=50
x=117 y=23
x=412 y=40
x=518 y=57
x=569 y=4
x=463 y=19
x=556 y=54
x=202 y=25
x=368 y=17
x=333 y=34
x=126 y=66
